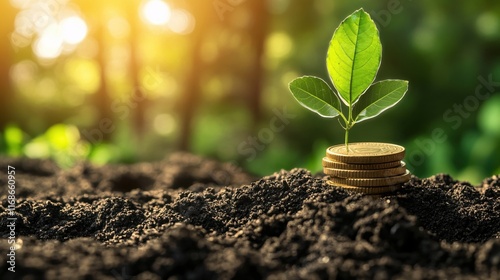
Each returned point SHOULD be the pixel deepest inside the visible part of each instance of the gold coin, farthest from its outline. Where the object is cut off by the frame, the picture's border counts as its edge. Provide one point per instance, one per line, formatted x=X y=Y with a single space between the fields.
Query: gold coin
x=373 y=182
x=367 y=190
x=366 y=153
x=375 y=173
x=329 y=163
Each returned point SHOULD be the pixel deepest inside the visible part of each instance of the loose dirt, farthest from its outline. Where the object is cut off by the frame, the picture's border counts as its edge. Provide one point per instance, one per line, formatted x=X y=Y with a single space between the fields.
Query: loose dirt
x=192 y=218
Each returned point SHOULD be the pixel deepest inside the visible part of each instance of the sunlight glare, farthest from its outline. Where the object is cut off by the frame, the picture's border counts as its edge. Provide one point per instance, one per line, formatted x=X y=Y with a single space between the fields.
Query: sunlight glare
x=156 y=12
x=74 y=29
x=49 y=44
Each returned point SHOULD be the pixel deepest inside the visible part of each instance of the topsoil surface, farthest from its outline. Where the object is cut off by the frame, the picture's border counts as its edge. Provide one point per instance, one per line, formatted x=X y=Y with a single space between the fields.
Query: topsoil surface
x=192 y=218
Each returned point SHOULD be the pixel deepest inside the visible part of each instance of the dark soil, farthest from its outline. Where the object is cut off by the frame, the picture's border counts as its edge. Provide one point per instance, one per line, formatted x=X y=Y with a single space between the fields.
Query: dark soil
x=191 y=218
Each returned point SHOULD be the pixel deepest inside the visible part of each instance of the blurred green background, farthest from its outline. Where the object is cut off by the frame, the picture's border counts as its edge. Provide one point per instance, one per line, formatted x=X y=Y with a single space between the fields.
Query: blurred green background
x=126 y=81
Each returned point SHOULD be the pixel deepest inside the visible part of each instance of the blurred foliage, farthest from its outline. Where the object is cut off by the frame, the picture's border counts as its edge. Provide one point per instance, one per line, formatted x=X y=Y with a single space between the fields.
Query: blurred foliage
x=53 y=103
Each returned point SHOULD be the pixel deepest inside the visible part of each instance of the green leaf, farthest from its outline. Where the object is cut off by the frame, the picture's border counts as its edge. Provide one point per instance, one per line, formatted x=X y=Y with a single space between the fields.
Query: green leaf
x=315 y=94
x=378 y=98
x=354 y=56
x=13 y=140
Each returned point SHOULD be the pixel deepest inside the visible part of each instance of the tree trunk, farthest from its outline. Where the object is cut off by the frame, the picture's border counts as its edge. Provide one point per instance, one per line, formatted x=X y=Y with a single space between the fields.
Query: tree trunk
x=141 y=104
x=258 y=31
x=102 y=98
x=6 y=61
x=192 y=92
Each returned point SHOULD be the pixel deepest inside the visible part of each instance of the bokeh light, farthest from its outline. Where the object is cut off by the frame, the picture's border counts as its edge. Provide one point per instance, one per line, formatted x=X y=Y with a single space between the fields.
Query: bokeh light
x=51 y=28
x=24 y=24
x=83 y=73
x=19 y=3
x=181 y=22
x=50 y=43
x=488 y=24
x=164 y=124
x=489 y=116
x=23 y=72
x=73 y=29
x=279 y=45
x=118 y=27
x=156 y=12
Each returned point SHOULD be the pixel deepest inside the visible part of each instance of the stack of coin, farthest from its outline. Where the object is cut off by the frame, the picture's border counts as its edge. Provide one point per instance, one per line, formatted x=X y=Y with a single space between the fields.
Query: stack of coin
x=366 y=167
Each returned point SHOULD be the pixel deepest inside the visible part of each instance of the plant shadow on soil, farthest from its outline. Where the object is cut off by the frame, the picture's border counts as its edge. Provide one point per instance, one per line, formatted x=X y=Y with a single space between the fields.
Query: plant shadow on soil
x=191 y=218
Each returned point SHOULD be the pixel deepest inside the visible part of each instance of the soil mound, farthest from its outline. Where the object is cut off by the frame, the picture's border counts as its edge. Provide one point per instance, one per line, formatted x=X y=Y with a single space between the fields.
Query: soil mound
x=192 y=218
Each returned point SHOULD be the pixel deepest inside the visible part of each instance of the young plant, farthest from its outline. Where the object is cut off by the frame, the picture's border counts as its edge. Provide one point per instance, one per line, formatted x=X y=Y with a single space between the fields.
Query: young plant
x=353 y=60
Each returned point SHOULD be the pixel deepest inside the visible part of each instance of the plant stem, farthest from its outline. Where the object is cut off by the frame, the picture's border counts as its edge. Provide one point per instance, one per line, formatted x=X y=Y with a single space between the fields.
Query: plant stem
x=348 y=126
x=347 y=139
